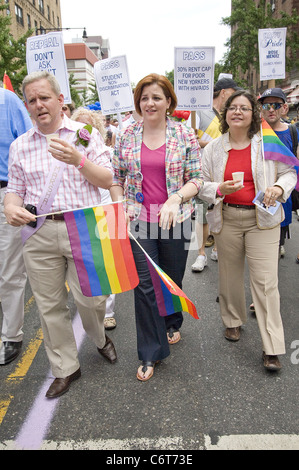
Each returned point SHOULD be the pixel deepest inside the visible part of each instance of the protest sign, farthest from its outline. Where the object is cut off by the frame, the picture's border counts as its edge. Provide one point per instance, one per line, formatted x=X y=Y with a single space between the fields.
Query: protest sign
x=46 y=53
x=113 y=85
x=272 y=45
x=194 y=77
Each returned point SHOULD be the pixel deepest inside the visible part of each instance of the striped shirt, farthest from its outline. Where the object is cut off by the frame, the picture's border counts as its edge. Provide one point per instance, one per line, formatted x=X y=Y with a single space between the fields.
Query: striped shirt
x=182 y=164
x=30 y=163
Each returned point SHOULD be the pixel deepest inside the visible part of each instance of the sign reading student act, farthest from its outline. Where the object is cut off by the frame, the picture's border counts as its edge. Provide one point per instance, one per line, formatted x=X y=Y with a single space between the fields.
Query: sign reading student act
x=194 y=77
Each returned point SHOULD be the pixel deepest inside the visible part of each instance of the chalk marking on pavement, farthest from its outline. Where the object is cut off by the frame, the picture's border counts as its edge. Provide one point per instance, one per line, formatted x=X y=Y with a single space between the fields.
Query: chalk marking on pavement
x=232 y=442
x=39 y=418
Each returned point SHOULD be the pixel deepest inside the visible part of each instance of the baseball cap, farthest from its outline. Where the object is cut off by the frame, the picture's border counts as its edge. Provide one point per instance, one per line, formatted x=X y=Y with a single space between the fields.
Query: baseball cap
x=224 y=83
x=276 y=92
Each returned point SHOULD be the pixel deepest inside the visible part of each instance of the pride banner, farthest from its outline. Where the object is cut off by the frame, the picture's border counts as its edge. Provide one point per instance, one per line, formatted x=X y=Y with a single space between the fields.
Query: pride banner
x=101 y=250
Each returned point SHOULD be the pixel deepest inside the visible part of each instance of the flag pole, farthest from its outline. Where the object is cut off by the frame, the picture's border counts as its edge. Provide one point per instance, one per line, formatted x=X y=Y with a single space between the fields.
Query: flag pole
x=150 y=259
x=78 y=209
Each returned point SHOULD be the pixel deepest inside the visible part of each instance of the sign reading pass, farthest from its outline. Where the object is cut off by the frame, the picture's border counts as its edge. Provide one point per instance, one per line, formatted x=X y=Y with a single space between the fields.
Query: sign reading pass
x=194 y=77
x=113 y=85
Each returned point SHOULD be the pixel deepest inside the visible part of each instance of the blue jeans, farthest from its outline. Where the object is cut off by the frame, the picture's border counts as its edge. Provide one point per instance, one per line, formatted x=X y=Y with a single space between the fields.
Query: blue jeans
x=169 y=250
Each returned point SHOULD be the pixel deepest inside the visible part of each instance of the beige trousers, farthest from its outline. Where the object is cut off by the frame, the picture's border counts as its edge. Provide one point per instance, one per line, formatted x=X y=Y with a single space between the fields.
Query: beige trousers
x=49 y=262
x=240 y=238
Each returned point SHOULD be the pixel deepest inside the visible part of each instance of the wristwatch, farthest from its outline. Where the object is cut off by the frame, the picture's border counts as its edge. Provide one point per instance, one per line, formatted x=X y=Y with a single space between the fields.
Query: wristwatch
x=181 y=196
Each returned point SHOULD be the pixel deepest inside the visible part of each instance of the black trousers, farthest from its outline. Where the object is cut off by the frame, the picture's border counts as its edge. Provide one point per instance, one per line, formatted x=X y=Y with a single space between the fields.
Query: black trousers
x=169 y=250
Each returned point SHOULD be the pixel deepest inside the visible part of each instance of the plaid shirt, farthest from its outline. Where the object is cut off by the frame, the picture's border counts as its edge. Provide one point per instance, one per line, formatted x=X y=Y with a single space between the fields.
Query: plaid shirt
x=30 y=163
x=182 y=164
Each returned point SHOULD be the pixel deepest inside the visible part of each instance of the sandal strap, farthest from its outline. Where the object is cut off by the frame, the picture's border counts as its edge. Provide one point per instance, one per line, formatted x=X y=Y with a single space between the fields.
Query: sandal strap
x=147 y=364
x=171 y=331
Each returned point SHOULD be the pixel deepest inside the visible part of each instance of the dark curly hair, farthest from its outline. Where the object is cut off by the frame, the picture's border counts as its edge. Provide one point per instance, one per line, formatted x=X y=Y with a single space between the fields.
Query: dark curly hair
x=256 y=112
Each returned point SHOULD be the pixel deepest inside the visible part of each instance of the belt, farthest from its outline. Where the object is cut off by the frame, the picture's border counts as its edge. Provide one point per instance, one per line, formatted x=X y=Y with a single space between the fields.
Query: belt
x=239 y=206
x=3 y=184
x=55 y=217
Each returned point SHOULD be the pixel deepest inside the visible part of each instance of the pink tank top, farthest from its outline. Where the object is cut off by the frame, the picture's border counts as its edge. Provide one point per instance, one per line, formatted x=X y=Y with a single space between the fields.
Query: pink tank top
x=154 y=182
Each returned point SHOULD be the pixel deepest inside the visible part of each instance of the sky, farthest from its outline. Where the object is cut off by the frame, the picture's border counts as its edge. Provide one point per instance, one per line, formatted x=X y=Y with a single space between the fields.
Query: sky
x=147 y=32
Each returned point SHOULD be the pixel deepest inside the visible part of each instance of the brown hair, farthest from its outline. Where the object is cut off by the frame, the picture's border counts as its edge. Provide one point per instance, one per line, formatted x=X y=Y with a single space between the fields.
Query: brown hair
x=256 y=112
x=160 y=80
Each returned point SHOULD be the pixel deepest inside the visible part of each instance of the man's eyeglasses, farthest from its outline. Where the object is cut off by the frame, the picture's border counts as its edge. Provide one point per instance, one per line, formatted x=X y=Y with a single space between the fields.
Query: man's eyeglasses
x=243 y=109
x=275 y=106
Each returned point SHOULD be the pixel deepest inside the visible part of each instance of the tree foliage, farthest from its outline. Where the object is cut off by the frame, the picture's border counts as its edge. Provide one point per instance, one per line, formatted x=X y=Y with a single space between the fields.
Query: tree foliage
x=245 y=21
x=12 y=51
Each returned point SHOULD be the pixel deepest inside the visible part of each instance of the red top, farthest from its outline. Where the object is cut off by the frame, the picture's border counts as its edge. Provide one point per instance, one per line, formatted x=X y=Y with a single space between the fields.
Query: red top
x=240 y=160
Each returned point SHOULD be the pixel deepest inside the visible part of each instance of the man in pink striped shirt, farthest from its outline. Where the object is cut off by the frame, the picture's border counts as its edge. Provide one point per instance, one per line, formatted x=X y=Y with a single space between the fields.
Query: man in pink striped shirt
x=85 y=167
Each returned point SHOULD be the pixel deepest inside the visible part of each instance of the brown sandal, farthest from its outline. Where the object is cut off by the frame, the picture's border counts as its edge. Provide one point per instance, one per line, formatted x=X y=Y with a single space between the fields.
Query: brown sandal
x=145 y=365
x=170 y=333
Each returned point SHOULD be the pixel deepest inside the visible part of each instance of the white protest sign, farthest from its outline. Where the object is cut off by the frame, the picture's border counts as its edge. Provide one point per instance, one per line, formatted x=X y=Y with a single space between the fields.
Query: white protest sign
x=46 y=53
x=194 y=77
x=113 y=85
x=272 y=46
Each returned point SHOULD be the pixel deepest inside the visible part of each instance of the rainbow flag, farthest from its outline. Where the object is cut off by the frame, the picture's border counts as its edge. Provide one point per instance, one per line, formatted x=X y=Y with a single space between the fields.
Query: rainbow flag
x=7 y=83
x=101 y=249
x=274 y=149
x=170 y=298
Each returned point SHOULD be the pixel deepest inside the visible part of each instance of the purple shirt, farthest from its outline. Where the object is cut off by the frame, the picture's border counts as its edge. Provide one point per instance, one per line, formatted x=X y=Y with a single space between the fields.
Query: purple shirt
x=154 y=182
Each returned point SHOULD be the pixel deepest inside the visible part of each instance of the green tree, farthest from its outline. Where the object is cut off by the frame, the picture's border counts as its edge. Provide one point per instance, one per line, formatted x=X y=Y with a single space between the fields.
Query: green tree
x=94 y=96
x=12 y=51
x=245 y=21
x=74 y=92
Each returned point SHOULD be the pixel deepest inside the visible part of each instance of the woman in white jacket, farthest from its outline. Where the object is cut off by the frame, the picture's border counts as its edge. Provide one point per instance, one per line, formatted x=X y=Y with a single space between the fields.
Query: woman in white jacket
x=243 y=230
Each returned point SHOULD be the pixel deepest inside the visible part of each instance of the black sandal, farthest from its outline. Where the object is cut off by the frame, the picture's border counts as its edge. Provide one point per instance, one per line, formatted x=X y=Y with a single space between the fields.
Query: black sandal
x=145 y=365
x=170 y=334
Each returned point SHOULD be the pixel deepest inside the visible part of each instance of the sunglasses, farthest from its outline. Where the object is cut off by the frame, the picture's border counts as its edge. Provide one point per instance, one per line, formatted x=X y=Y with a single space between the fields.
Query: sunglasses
x=275 y=106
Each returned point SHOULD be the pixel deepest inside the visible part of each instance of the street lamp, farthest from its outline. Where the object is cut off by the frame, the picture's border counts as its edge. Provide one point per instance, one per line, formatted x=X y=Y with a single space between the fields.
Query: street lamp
x=44 y=30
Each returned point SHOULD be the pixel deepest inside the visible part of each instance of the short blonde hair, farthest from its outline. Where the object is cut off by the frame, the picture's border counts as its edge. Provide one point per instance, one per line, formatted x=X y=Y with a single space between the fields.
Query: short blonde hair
x=36 y=76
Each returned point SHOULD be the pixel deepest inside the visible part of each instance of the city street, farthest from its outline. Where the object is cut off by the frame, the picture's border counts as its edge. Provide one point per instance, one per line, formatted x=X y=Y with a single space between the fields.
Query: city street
x=209 y=394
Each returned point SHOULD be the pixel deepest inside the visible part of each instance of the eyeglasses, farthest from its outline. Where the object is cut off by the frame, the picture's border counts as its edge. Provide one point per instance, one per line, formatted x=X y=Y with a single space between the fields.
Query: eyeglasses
x=242 y=109
x=275 y=106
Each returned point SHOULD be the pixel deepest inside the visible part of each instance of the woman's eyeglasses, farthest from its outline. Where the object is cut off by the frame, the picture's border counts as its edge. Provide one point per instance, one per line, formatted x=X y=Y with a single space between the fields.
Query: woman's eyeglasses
x=275 y=106
x=243 y=109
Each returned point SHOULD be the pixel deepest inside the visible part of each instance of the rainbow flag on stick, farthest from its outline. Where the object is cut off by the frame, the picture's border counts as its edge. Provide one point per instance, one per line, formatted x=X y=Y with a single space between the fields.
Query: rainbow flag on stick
x=170 y=298
x=274 y=149
x=101 y=249
x=7 y=83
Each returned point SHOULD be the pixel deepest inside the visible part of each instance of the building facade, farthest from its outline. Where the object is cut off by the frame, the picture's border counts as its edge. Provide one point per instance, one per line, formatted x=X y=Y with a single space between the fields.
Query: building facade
x=38 y=15
x=290 y=84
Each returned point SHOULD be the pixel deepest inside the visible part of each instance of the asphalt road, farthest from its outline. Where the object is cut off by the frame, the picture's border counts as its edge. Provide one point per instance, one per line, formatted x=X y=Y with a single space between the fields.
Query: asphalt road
x=208 y=394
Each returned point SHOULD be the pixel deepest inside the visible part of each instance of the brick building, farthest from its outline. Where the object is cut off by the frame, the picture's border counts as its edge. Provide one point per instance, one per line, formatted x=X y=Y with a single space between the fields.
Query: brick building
x=291 y=83
x=38 y=15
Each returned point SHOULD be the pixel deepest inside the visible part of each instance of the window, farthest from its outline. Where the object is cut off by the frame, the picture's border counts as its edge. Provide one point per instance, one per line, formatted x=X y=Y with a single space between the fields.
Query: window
x=48 y=11
x=33 y=2
x=28 y=21
x=19 y=14
x=41 y=6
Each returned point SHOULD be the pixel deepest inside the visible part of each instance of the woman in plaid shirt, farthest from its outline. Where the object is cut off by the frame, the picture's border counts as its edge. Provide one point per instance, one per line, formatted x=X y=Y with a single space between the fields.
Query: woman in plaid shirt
x=157 y=169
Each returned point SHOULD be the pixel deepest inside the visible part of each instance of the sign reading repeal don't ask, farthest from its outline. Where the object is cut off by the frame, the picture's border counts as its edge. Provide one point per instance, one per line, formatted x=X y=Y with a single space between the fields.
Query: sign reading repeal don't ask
x=46 y=53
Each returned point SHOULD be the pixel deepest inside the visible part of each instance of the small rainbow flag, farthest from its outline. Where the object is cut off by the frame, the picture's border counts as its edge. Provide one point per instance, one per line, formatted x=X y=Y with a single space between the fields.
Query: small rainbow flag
x=7 y=83
x=170 y=298
x=101 y=249
x=274 y=149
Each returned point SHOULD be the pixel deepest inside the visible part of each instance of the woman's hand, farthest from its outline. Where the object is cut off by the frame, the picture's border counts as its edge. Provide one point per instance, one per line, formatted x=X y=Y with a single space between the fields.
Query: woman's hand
x=230 y=186
x=272 y=193
x=169 y=212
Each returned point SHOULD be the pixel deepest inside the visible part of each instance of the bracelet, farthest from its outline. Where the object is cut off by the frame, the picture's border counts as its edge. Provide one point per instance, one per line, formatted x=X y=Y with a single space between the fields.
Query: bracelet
x=181 y=196
x=218 y=192
x=81 y=164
